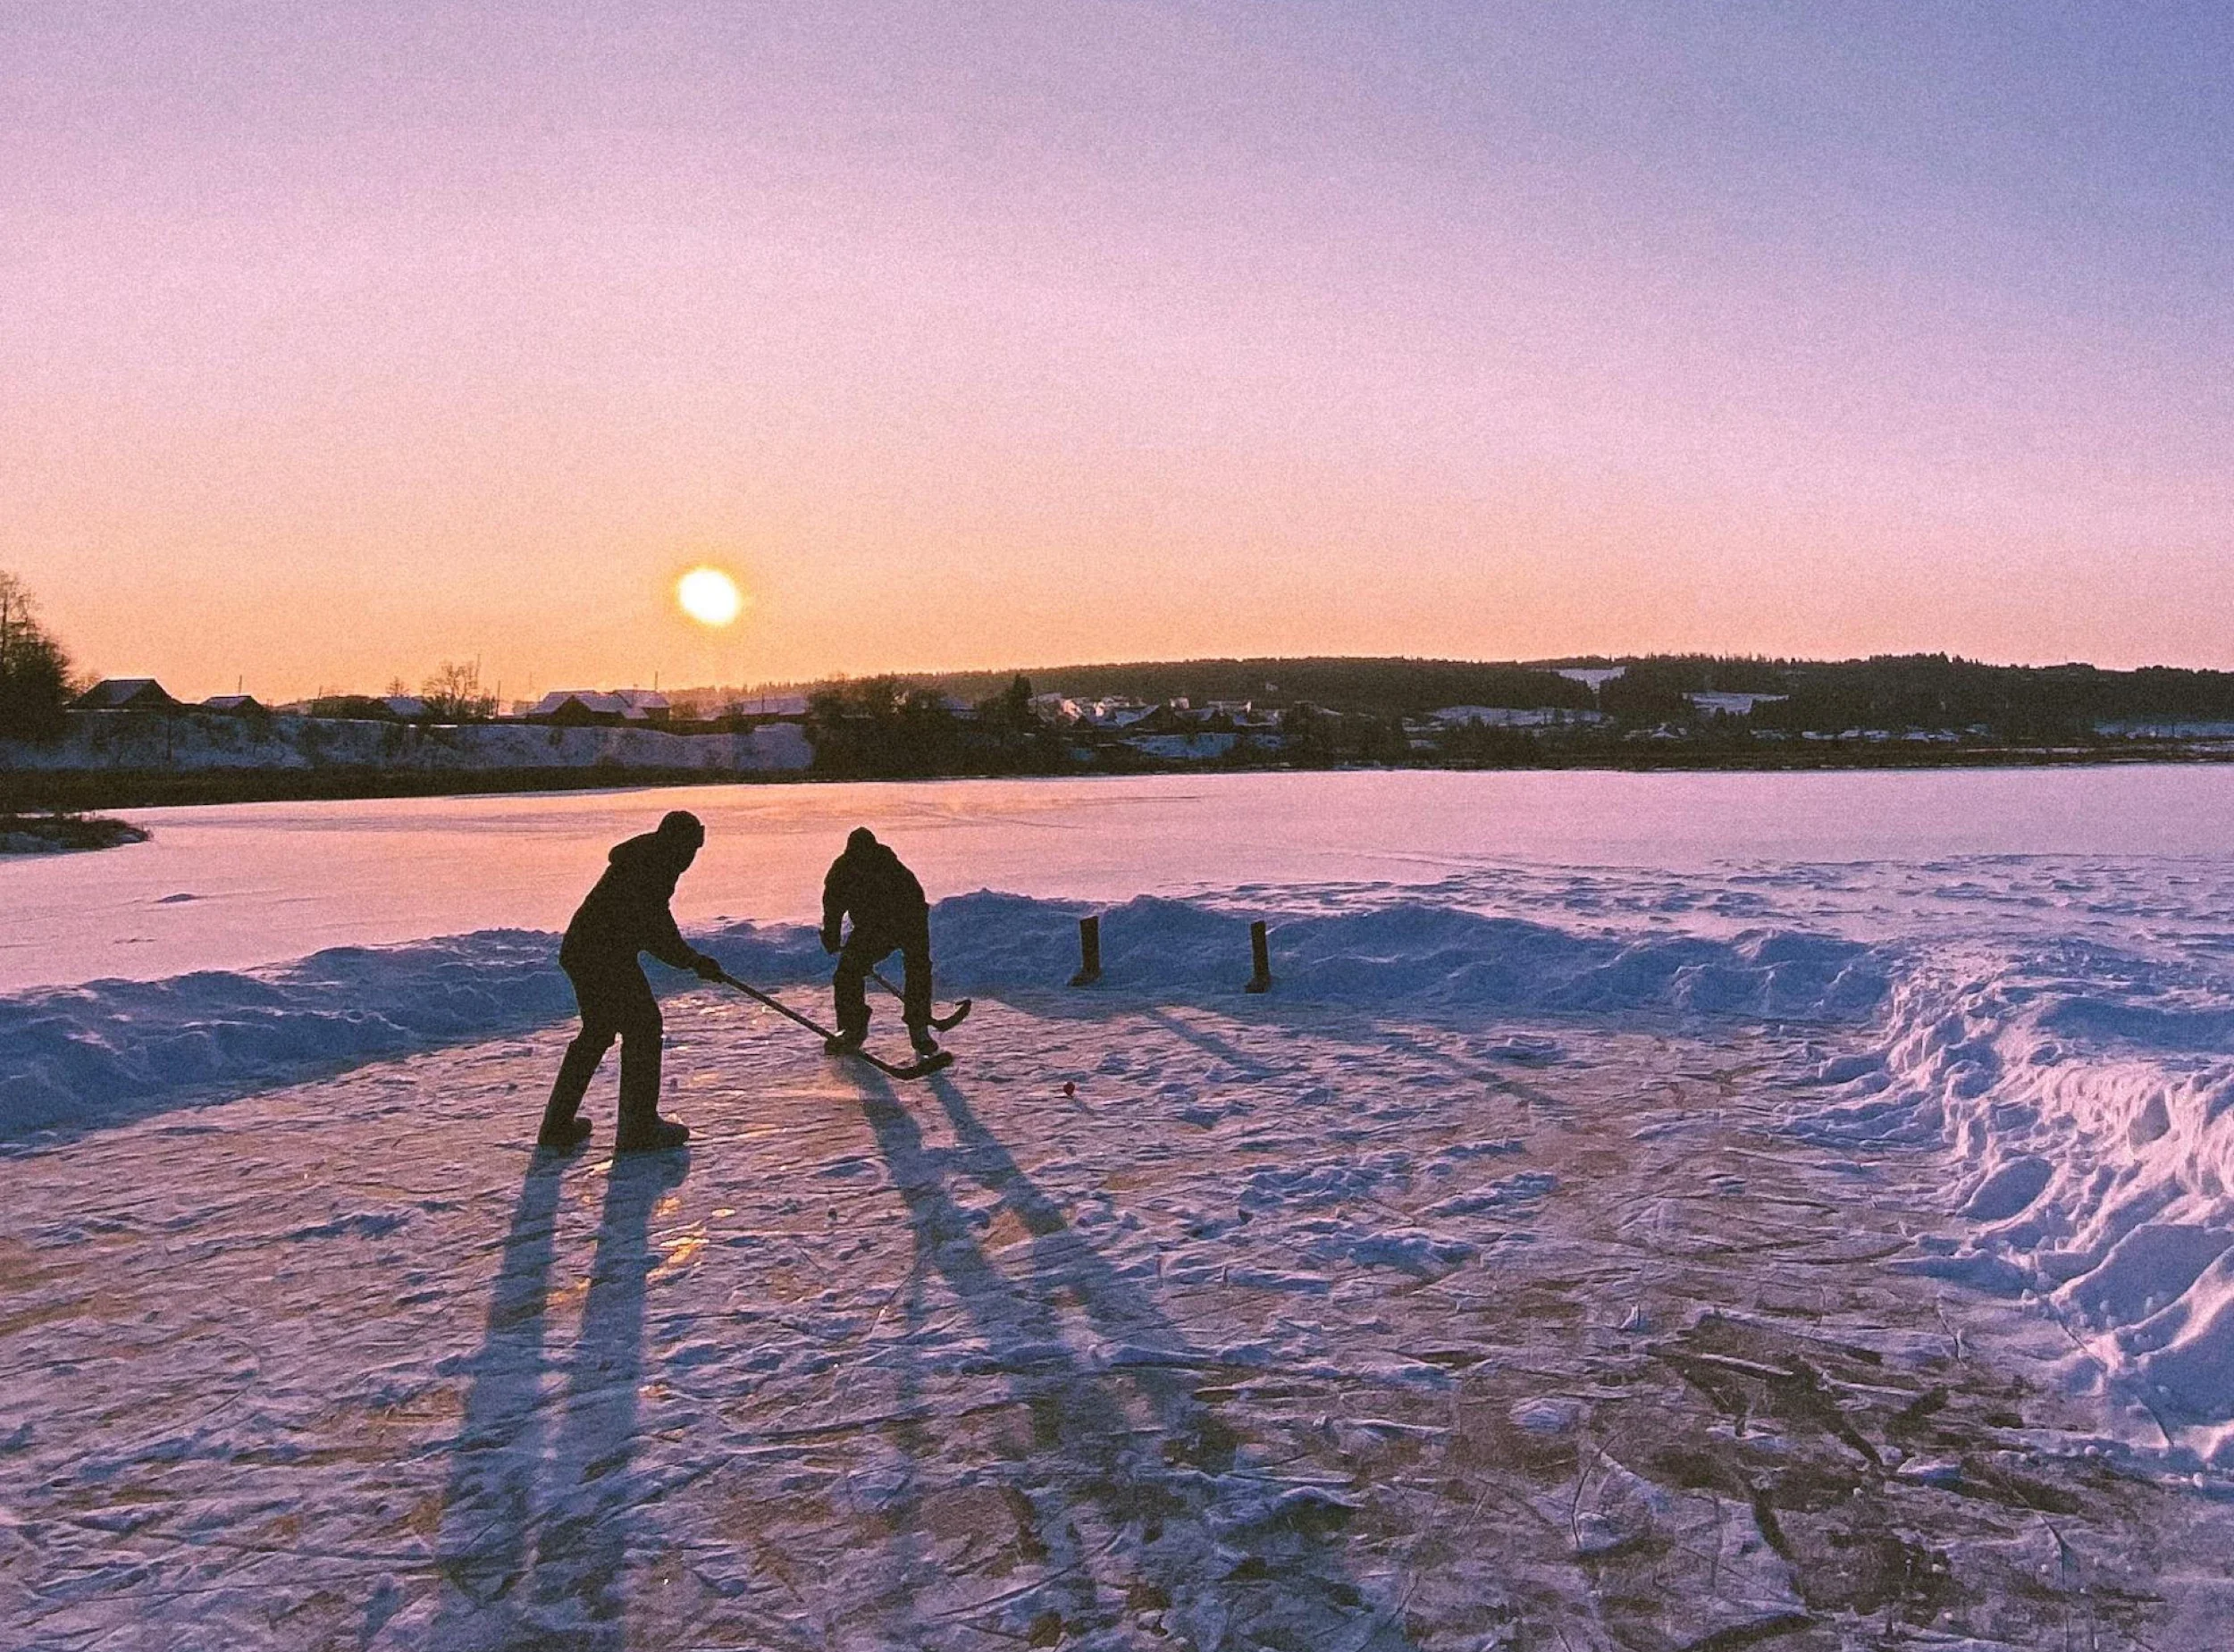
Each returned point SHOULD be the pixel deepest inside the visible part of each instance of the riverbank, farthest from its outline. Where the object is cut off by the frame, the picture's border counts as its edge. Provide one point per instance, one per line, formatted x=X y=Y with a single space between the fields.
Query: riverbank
x=49 y=788
x=64 y=833
x=147 y=759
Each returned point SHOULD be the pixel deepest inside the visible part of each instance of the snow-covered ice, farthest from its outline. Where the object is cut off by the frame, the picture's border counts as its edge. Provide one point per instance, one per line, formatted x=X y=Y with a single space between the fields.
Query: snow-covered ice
x=1823 y=1242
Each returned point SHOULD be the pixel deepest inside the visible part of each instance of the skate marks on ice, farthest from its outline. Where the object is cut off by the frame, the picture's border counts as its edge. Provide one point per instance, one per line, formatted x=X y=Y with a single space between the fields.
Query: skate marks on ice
x=1134 y=1506
x=1277 y=1330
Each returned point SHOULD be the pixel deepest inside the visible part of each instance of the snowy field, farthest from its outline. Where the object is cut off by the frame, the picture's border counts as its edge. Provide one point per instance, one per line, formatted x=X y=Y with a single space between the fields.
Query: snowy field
x=1676 y=1211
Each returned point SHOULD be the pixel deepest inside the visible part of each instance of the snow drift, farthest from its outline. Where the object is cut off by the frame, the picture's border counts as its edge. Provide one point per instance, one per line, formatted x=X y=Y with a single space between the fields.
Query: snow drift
x=83 y=1056
x=2084 y=1088
x=2086 y=1092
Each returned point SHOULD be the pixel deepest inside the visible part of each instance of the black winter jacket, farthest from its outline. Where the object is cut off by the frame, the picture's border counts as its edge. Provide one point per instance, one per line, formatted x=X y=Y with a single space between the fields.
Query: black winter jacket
x=626 y=913
x=883 y=895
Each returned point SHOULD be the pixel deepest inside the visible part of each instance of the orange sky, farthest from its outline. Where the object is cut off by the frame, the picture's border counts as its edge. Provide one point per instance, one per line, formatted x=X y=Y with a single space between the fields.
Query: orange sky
x=343 y=342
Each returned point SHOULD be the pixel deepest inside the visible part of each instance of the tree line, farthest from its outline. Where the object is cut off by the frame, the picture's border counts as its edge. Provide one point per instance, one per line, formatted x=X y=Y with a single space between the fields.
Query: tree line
x=1334 y=710
x=36 y=679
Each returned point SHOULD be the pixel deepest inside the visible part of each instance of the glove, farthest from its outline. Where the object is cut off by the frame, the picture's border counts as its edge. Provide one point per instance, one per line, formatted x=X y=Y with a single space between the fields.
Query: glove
x=708 y=968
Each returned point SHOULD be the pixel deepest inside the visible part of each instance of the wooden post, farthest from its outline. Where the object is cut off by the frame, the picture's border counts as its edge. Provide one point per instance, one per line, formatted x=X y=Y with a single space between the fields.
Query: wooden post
x=1089 y=952
x=1260 y=956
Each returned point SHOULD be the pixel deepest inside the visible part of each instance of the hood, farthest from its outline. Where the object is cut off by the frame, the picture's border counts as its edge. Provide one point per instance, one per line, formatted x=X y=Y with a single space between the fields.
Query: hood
x=648 y=853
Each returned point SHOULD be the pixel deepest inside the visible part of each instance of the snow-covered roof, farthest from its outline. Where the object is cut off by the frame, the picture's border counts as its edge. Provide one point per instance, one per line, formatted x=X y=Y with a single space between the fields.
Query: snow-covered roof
x=404 y=705
x=1057 y=708
x=1593 y=677
x=635 y=705
x=1511 y=716
x=1184 y=748
x=1115 y=713
x=119 y=693
x=1732 y=705
x=232 y=703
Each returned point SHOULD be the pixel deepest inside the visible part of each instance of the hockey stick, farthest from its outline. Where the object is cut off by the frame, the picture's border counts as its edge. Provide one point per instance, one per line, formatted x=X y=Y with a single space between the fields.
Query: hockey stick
x=917 y=1069
x=943 y=1023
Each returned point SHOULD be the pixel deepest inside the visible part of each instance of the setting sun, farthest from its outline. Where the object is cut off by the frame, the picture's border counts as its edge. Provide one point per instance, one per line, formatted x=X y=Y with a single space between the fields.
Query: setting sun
x=709 y=596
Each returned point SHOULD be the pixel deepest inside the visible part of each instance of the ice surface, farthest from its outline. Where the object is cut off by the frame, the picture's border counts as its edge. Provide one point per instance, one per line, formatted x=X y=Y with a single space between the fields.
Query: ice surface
x=1950 y=1063
x=274 y=881
x=973 y=1364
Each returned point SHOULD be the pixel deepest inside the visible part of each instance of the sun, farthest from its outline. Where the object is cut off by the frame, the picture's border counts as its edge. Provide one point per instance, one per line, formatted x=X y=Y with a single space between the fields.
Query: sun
x=709 y=596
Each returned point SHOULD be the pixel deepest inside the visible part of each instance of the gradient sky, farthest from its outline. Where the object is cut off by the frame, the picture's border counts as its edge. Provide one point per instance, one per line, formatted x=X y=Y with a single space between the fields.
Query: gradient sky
x=338 y=338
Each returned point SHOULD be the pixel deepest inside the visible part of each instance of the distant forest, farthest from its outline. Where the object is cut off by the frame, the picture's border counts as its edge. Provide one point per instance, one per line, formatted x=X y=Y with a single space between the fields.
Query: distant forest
x=1390 y=687
x=1903 y=690
x=1925 y=691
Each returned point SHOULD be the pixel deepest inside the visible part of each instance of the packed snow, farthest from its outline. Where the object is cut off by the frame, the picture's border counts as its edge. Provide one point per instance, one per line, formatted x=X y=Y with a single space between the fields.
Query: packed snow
x=193 y=741
x=1813 y=1244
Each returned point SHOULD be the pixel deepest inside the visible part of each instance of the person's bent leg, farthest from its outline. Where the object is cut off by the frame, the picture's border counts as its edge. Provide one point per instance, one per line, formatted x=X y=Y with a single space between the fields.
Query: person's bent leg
x=915 y=993
x=641 y=1130
x=561 y=1129
x=849 y=986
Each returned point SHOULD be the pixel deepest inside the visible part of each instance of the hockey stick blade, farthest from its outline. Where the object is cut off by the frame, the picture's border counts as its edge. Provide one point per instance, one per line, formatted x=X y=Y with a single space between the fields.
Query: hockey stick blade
x=953 y=1017
x=923 y=1068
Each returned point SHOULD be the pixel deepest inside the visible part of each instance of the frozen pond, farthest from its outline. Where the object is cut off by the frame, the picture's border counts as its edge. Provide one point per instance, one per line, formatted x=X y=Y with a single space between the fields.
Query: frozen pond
x=228 y=888
x=1648 y=1211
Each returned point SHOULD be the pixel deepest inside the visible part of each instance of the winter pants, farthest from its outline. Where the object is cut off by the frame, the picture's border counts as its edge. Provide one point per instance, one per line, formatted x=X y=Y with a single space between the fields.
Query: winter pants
x=616 y=1003
x=864 y=949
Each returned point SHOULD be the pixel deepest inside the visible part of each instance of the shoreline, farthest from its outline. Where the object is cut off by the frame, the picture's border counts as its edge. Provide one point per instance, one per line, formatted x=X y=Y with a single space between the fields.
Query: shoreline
x=42 y=792
x=65 y=834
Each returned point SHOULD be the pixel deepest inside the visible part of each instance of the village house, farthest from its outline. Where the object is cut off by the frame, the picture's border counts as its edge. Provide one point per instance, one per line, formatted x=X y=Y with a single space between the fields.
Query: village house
x=125 y=694
x=578 y=707
x=1511 y=716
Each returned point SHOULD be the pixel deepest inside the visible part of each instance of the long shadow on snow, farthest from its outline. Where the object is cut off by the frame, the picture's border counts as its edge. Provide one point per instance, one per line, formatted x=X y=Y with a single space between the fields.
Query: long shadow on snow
x=1174 y=1503
x=532 y=1551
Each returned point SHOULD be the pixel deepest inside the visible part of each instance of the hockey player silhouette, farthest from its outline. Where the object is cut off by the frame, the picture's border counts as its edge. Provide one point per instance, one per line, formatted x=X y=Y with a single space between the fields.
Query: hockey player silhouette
x=885 y=902
x=625 y=914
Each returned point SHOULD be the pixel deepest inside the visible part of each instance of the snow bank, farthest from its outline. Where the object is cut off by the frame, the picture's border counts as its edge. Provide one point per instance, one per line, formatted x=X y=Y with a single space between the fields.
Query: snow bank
x=92 y=1054
x=2087 y=1094
x=201 y=740
x=81 y=1056
x=1411 y=954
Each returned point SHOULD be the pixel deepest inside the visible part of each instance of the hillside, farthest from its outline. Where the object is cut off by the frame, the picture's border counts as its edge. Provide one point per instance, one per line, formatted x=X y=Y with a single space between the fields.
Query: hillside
x=1887 y=690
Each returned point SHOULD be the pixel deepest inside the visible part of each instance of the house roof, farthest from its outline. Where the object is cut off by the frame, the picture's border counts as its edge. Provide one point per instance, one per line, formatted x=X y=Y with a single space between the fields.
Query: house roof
x=233 y=702
x=116 y=694
x=1732 y=704
x=770 y=705
x=634 y=704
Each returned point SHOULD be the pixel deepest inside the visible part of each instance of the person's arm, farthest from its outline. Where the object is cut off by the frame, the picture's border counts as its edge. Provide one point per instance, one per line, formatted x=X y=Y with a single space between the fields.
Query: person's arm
x=665 y=942
x=833 y=905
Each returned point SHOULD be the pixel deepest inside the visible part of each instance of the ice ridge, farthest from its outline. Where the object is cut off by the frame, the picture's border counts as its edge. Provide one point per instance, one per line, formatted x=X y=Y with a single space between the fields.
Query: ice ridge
x=99 y=1053
x=2086 y=1096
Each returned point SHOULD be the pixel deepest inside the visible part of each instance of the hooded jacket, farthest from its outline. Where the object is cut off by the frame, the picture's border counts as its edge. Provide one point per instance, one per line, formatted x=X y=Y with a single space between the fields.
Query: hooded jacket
x=882 y=895
x=626 y=913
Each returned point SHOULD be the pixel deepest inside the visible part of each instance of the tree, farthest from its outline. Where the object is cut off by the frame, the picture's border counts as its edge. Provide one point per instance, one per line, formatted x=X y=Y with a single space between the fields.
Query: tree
x=1010 y=711
x=453 y=695
x=1307 y=735
x=880 y=728
x=35 y=679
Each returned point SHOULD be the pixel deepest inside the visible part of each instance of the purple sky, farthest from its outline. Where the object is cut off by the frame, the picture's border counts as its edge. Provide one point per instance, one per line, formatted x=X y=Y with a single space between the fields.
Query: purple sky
x=336 y=339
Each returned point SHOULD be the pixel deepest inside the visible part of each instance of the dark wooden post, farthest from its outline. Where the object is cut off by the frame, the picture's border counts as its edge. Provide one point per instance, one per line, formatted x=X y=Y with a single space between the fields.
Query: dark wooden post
x=1260 y=957
x=1089 y=952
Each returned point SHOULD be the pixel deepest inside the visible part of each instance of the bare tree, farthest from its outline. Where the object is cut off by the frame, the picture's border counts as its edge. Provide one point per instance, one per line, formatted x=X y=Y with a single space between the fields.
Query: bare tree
x=453 y=695
x=34 y=678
